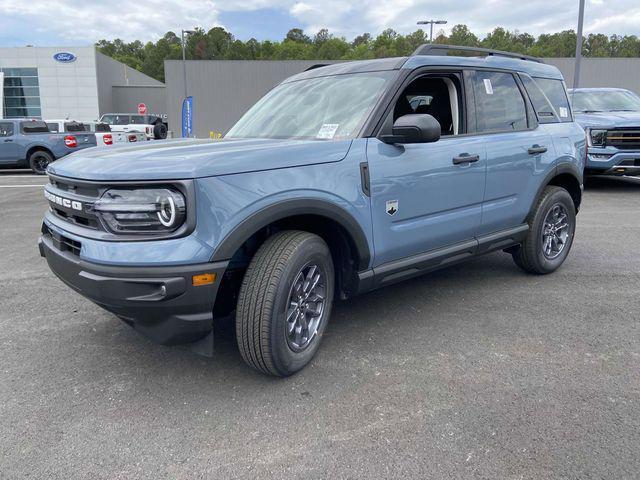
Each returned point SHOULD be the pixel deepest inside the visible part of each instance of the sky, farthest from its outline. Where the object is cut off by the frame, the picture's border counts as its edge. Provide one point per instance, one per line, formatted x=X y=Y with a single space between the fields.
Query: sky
x=62 y=22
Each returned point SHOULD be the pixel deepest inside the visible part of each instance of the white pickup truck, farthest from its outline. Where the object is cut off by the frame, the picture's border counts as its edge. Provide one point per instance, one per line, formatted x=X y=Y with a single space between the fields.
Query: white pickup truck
x=104 y=136
x=152 y=125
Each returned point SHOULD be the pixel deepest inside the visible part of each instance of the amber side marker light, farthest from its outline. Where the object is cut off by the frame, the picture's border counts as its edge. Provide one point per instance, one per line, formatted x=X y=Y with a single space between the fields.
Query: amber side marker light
x=203 y=279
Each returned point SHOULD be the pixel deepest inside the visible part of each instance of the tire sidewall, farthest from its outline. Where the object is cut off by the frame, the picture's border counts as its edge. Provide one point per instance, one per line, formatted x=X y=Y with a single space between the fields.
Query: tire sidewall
x=312 y=250
x=557 y=197
x=160 y=131
x=32 y=160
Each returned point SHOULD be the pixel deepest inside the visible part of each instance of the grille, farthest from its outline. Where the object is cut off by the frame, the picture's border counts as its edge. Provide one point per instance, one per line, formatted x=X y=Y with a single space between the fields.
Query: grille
x=624 y=138
x=62 y=243
x=630 y=162
x=84 y=193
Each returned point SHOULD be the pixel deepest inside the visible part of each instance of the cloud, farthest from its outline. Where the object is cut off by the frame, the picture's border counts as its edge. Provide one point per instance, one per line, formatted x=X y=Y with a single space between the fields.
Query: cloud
x=35 y=21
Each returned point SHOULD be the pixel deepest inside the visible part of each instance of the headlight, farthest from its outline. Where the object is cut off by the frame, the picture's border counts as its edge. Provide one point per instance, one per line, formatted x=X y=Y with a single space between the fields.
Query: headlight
x=598 y=138
x=142 y=210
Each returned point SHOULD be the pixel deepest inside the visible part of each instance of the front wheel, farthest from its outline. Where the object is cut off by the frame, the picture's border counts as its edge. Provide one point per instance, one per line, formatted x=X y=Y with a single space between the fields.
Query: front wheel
x=551 y=231
x=39 y=161
x=285 y=302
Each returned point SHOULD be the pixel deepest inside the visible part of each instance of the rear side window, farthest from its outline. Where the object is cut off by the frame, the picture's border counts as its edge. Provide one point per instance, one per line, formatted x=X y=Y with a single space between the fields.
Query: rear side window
x=500 y=106
x=6 y=129
x=53 y=127
x=74 y=127
x=545 y=112
x=557 y=95
x=34 y=127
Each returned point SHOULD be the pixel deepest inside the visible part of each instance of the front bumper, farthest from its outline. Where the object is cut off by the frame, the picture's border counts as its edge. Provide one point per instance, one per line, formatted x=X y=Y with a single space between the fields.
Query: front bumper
x=159 y=302
x=604 y=161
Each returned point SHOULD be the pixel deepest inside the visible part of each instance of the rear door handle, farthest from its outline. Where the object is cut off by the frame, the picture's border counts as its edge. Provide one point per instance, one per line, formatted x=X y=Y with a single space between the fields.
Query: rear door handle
x=536 y=149
x=465 y=158
x=8 y=140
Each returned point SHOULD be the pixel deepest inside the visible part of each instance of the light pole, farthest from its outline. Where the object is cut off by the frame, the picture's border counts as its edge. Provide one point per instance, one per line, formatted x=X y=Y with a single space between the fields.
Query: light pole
x=185 y=34
x=432 y=23
x=576 y=73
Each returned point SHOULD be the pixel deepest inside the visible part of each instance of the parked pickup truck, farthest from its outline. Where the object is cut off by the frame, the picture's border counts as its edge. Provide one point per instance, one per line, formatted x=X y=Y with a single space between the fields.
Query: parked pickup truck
x=342 y=179
x=152 y=125
x=30 y=143
x=611 y=117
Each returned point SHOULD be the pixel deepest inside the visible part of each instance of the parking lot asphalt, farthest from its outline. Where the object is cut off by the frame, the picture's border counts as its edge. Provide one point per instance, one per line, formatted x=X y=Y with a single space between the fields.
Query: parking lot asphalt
x=476 y=371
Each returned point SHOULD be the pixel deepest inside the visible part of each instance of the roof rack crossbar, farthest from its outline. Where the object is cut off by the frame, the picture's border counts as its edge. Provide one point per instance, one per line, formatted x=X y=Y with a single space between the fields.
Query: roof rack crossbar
x=437 y=48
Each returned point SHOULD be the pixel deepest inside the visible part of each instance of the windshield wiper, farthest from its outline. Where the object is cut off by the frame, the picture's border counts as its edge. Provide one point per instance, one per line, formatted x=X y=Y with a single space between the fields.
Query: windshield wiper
x=623 y=110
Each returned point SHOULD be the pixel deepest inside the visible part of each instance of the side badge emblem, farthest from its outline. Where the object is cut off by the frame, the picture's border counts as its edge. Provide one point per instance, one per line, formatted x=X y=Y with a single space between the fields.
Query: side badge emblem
x=392 y=207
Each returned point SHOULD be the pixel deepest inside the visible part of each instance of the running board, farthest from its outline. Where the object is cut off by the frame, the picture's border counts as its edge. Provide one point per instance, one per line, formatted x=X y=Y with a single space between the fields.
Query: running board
x=422 y=263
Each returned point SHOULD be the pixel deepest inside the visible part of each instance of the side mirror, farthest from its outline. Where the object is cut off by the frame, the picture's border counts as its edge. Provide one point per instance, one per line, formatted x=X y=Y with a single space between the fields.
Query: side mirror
x=414 y=128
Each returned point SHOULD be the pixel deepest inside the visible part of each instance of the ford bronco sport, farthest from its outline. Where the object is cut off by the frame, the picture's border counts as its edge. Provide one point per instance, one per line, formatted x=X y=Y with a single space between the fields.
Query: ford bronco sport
x=342 y=179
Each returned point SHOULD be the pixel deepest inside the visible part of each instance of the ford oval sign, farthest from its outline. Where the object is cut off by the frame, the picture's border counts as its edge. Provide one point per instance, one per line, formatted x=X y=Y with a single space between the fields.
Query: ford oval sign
x=64 y=57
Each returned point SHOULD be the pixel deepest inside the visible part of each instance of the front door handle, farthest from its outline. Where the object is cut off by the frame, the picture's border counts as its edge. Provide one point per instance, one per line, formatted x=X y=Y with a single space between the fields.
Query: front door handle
x=537 y=149
x=8 y=140
x=465 y=158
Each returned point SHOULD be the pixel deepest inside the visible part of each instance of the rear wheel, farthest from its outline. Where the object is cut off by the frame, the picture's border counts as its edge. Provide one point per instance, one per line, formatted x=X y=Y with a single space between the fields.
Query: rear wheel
x=39 y=161
x=285 y=302
x=551 y=231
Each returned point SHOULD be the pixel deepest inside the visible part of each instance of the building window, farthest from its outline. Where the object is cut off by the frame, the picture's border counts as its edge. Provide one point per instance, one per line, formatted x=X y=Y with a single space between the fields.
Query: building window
x=21 y=93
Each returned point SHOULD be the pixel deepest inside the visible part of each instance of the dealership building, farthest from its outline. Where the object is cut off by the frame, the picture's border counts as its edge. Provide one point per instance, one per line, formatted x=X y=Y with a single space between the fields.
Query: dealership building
x=78 y=83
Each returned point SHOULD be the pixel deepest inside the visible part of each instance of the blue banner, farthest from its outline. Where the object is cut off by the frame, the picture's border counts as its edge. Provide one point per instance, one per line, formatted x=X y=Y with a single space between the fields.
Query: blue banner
x=187 y=117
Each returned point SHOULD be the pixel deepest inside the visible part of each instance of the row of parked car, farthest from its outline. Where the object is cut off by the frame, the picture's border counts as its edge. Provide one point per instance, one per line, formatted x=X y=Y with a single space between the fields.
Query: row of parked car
x=34 y=143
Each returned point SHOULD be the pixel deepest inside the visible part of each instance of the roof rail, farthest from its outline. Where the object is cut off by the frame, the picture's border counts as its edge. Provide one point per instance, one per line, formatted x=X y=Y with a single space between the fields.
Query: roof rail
x=317 y=65
x=440 y=49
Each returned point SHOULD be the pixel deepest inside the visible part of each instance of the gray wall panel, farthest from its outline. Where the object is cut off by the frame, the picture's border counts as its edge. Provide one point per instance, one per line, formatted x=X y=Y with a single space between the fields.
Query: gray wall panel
x=222 y=90
x=126 y=99
x=602 y=72
x=111 y=72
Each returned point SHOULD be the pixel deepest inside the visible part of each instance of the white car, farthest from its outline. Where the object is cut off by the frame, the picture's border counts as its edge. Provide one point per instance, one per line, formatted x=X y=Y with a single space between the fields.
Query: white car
x=152 y=125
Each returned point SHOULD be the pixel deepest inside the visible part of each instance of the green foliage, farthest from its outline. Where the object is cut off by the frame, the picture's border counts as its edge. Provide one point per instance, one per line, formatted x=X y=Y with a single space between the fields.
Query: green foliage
x=218 y=44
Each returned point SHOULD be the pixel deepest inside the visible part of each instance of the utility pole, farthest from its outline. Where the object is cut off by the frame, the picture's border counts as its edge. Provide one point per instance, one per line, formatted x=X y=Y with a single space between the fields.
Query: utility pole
x=576 y=73
x=431 y=23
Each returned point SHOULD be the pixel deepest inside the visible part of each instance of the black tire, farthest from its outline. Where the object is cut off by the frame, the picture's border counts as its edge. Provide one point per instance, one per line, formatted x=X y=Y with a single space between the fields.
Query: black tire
x=39 y=161
x=531 y=256
x=264 y=299
x=160 y=131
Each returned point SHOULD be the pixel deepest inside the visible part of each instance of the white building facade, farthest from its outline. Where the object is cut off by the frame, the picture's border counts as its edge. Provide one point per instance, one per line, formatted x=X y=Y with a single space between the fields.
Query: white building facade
x=62 y=82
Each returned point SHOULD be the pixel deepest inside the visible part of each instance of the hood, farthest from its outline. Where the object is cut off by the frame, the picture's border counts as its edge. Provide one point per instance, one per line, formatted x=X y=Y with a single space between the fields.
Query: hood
x=191 y=158
x=608 y=119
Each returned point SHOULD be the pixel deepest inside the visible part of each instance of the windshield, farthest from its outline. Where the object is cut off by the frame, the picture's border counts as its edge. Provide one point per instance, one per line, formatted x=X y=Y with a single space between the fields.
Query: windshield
x=112 y=119
x=324 y=108
x=606 y=101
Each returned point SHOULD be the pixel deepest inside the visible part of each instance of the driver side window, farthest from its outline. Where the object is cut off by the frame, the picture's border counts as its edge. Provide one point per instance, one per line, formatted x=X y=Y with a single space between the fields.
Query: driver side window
x=438 y=96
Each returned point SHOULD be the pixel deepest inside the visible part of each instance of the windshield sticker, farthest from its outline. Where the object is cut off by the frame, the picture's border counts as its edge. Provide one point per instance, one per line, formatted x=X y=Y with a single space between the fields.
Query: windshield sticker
x=564 y=112
x=328 y=131
x=488 y=87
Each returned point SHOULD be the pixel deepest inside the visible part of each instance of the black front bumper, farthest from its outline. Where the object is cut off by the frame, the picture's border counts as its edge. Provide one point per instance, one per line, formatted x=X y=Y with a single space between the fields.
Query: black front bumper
x=159 y=302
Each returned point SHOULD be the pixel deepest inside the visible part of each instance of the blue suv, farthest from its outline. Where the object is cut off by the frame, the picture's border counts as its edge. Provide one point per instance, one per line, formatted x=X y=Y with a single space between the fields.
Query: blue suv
x=342 y=179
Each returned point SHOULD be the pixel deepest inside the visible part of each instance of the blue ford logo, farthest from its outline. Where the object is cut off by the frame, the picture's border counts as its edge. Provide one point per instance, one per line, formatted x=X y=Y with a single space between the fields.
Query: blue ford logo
x=64 y=57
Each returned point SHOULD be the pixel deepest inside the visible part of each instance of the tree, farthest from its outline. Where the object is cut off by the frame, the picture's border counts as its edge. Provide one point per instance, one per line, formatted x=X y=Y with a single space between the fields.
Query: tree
x=217 y=43
x=297 y=35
